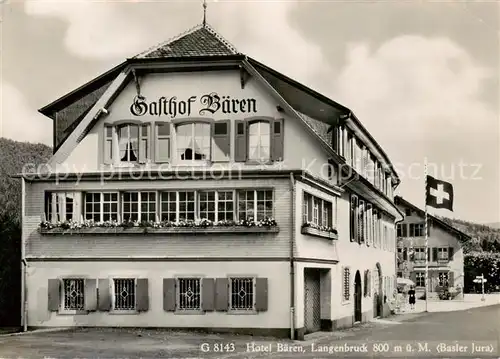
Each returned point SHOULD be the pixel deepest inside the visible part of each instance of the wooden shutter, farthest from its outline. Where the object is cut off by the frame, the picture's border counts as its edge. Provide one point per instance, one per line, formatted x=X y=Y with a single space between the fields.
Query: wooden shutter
x=221 y=294
x=261 y=298
x=221 y=137
x=90 y=295
x=162 y=142
x=169 y=294
x=405 y=253
x=53 y=295
x=310 y=200
x=208 y=294
x=413 y=277
x=451 y=279
x=451 y=253
x=240 y=141
x=354 y=218
x=108 y=144
x=434 y=254
x=428 y=254
x=144 y=143
x=277 y=140
x=142 y=295
x=104 y=297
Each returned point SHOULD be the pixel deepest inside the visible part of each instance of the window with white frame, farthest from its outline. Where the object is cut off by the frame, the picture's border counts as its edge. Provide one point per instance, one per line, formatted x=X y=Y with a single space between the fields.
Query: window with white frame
x=73 y=294
x=443 y=253
x=259 y=141
x=216 y=205
x=317 y=210
x=257 y=204
x=124 y=295
x=346 y=282
x=101 y=206
x=168 y=206
x=187 y=201
x=139 y=206
x=189 y=293
x=420 y=279
x=419 y=253
x=242 y=293
x=419 y=230
x=128 y=143
x=193 y=141
x=61 y=206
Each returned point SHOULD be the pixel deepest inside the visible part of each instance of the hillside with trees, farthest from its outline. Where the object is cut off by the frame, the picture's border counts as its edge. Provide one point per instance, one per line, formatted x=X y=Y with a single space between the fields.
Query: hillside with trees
x=484 y=238
x=14 y=156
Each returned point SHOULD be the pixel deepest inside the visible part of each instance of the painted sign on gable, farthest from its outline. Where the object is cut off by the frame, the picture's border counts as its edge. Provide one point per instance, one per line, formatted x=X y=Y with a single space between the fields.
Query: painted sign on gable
x=207 y=104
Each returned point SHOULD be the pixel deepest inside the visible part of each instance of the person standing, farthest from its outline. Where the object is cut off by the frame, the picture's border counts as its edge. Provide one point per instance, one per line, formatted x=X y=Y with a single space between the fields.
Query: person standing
x=411 y=298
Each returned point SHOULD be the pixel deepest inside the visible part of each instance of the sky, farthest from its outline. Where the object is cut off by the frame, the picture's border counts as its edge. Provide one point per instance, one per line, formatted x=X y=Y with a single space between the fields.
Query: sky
x=422 y=77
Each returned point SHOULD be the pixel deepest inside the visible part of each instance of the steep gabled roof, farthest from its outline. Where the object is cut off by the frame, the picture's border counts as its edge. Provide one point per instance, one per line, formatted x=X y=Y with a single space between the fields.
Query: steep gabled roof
x=202 y=40
x=398 y=200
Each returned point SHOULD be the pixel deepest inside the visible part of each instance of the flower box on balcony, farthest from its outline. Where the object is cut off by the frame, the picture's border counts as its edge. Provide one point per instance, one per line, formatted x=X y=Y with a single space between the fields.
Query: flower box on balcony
x=165 y=230
x=319 y=233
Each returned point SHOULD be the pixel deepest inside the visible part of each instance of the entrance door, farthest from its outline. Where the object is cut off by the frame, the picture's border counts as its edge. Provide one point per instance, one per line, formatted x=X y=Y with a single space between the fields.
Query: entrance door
x=357 y=297
x=312 y=307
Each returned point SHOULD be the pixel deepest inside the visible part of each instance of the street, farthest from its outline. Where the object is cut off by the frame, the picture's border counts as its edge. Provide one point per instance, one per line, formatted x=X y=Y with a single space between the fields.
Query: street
x=449 y=334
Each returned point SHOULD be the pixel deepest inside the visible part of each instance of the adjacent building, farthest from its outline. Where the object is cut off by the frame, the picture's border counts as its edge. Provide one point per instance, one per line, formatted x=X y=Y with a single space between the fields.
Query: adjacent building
x=192 y=186
x=445 y=256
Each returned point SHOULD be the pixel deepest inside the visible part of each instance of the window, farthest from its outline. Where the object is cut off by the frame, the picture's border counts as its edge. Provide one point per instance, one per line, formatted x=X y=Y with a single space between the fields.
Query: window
x=189 y=293
x=346 y=290
x=193 y=142
x=61 y=206
x=169 y=206
x=443 y=253
x=419 y=254
x=353 y=219
x=225 y=206
x=207 y=205
x=186 y=206
x=242 y=293
x=419 y=230
x=216 y=206
x=399 y=230
x=139 y=206
x=404 y=230
x=73 y=294
x=443 y=279
x=124 y=294
x=259 y=141
x=101 y=207
x=256 y=204
x=317 y=211
x=367 y=283
x=128 y=143
x=420 y=279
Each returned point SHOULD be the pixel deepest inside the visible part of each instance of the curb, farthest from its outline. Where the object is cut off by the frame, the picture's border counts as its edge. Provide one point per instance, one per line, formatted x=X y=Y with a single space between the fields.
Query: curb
x=36 y=331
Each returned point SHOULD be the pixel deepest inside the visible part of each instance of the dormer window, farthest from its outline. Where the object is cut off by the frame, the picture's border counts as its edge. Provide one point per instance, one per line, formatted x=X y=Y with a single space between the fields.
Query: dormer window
x=193 y=142
x=128 y=143
x=259 y=146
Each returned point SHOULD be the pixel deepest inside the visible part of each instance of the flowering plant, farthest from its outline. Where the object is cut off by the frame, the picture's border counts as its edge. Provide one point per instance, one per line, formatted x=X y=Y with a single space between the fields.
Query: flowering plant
x=321 y=228
x=183 y=223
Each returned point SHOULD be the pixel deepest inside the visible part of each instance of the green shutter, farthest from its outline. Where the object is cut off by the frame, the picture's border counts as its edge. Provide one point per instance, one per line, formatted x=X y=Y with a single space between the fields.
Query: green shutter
x=221 y=135
x=277 y=140
x=107 y=137
x=240 y=141
x=261 y=298
x=53 y=294
x=142 y=292
x=169 y=295
x=104 y=297
x=221 y=294
x=208 y=294
x=90 y=295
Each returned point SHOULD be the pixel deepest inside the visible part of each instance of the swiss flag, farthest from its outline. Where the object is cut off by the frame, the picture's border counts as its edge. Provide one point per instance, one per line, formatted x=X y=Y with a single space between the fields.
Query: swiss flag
x=439 y=194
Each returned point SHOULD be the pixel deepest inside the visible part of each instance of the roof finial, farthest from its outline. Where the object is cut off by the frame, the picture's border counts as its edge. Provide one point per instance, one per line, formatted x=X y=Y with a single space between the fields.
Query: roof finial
x=204 y=13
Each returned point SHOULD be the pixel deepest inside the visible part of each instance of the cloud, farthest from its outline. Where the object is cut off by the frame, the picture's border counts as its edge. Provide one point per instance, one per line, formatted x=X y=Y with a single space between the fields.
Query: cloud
x=20 y=122
x=421 y=97
x=117 y=30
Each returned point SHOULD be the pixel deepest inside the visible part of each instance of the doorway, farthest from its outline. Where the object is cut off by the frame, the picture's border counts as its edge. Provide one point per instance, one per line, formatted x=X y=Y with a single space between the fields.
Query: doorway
x=358 y=294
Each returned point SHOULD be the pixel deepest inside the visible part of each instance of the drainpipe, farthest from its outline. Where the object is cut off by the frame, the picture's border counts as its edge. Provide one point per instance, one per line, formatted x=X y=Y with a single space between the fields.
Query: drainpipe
x=24 y=264
x=292 y=269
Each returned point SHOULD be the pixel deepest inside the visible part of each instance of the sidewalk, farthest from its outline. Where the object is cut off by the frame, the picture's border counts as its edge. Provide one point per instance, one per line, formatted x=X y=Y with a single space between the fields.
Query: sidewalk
x=469 y=301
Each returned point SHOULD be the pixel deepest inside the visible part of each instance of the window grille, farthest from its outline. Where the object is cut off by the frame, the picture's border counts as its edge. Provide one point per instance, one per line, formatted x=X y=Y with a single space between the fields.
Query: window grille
x=131 y=206
x=93 y=206
x=420 y=279
x=189 y=293
x=347 y=281
x=124 y=294
x=148 y=206
x=207 y=205
x=246 y=204
x=264 y=204
x=109 y=206
x=242 y=294
x=225 y=206
x=74 y=298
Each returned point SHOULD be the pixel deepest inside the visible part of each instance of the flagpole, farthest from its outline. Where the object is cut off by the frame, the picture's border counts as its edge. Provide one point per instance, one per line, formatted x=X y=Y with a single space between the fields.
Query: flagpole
x=426 y=278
